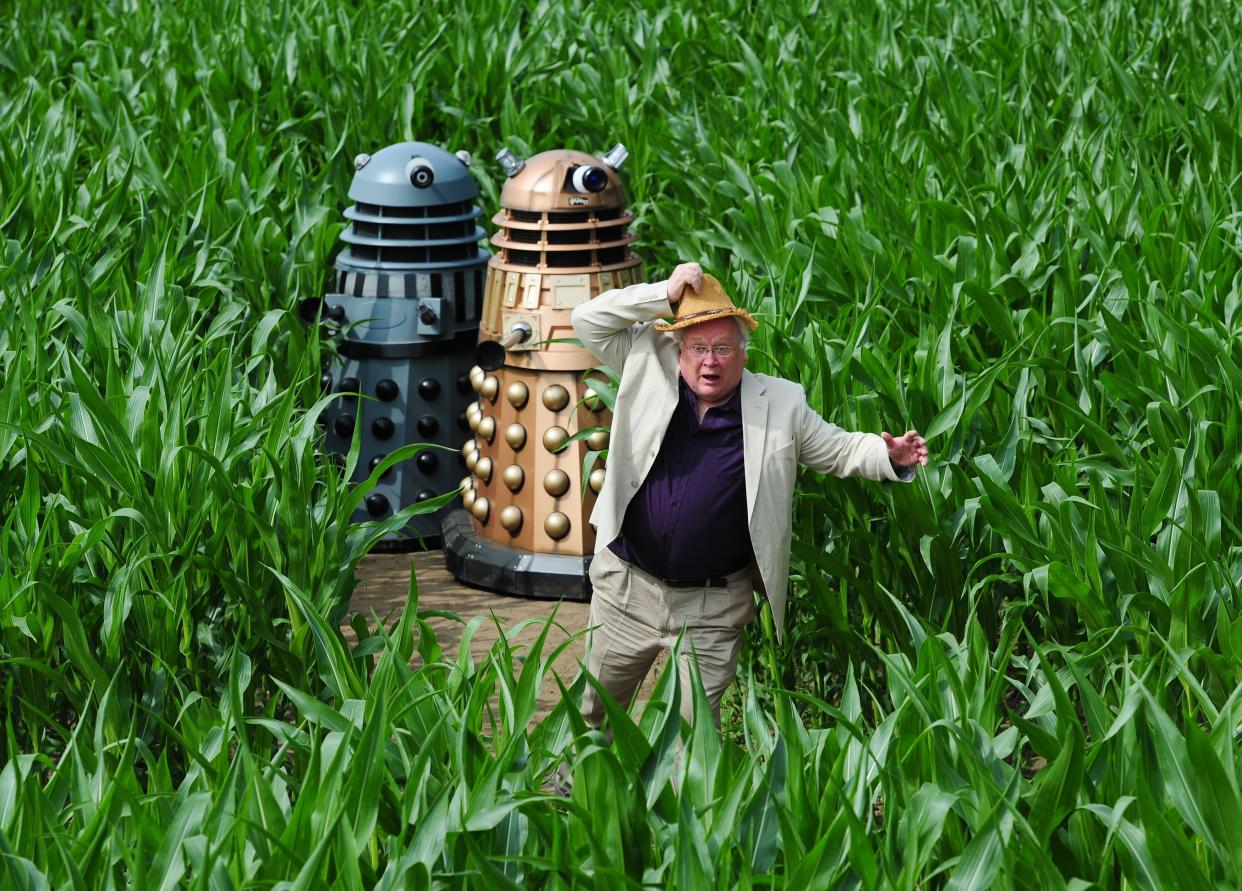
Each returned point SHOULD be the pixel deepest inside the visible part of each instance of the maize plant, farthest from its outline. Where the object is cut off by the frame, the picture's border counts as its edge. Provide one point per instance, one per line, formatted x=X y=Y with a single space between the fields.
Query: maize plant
x=1014 y=225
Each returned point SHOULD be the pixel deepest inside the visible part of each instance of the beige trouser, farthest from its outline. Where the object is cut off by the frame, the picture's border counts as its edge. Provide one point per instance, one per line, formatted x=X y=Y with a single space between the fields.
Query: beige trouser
x=637 y=616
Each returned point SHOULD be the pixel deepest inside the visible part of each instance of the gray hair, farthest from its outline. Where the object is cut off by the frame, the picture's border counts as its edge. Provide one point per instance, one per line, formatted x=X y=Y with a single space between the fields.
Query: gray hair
x=743 y=333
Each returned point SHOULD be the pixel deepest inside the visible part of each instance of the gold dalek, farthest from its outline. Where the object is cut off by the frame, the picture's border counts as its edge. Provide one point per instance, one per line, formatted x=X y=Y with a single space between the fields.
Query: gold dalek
x=563 y=238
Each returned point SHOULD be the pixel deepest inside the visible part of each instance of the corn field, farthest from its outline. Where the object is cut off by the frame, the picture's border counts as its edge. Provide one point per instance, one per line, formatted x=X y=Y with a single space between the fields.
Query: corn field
x=1014 y=225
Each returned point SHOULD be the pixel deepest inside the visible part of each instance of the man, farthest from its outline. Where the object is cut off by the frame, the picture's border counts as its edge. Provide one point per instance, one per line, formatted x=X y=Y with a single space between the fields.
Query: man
x=696 y=508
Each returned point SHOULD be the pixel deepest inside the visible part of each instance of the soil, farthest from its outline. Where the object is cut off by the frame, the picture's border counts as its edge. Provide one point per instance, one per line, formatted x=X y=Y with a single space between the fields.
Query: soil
x=383 y=580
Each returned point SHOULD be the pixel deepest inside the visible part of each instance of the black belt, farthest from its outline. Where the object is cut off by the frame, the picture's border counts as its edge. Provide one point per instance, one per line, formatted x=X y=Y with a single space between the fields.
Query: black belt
x=715 y=581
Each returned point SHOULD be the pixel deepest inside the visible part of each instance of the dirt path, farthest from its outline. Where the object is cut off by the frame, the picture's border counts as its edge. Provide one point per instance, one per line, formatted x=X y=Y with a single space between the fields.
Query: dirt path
x=383 y=580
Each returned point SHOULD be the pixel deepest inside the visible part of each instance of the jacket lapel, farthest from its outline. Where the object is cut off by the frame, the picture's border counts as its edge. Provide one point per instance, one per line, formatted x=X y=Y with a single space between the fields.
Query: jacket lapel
x=754 y=433
x=663 y=400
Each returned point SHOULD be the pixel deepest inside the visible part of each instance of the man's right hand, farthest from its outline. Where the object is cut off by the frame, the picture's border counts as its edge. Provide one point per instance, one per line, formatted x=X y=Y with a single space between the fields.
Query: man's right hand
x=690 y=274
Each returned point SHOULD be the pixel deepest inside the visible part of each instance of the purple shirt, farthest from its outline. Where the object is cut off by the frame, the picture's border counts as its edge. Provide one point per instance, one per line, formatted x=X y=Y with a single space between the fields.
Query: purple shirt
x=688 y=519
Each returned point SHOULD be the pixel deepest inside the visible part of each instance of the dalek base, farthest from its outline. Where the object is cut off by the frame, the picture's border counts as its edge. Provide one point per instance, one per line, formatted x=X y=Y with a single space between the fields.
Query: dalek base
x=483 y=563
x=408 y=545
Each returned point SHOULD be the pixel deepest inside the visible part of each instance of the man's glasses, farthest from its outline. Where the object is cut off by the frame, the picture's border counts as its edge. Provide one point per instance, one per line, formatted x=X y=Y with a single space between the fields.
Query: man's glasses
x=700 y=351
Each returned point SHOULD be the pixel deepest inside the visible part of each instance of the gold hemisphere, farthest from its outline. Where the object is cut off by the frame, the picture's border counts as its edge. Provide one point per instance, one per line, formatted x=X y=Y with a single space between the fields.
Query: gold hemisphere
x=556 y=483
x=491 y=386
x=487 y=428
x=467 y=482
x=517 y=394
x=596 y=480
x=515 y=435
x=556 y=525
x=472 y=458
x=513 y=477
x=469 y=446
x=555 y=397
x=598 y=441
x=592 y=400
x=480 y=509
x=511 y=519
x=483 y=469
x=477 y=376
x=554 y=438
x=473 y=416
x=468 y=497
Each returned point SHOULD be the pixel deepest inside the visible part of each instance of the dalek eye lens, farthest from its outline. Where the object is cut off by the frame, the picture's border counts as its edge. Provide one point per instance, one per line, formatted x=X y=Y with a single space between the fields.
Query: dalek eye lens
x=589 y=179
x=420 y=173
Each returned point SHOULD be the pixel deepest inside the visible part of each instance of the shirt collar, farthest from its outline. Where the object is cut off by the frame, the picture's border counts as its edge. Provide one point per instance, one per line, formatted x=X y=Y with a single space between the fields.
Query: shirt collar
x=732 y=405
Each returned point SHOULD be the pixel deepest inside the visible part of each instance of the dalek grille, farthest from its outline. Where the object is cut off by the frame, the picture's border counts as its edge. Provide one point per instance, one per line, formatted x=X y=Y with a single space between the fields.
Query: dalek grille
x=380 y=234
x=554 y=234
x=447 y=253
x=457 y=208
x=567 y=259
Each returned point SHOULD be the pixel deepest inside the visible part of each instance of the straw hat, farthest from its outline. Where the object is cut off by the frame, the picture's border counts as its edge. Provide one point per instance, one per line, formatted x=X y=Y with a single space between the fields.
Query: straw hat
x=711 y=302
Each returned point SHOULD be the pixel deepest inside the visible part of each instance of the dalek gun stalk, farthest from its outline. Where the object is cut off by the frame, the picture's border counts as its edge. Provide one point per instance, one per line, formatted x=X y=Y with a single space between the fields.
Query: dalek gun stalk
x=490 y=354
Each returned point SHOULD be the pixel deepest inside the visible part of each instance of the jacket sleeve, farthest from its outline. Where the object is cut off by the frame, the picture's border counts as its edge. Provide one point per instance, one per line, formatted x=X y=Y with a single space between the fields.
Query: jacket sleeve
x=827 y=448
x=607 y=325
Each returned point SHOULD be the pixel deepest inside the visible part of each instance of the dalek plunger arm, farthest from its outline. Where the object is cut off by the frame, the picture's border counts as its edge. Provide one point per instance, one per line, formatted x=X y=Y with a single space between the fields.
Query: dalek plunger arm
x=490 y=354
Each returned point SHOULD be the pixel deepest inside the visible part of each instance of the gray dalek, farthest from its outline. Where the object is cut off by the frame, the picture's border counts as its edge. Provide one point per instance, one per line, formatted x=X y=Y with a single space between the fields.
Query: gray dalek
x=406 y=305
x=563 y=238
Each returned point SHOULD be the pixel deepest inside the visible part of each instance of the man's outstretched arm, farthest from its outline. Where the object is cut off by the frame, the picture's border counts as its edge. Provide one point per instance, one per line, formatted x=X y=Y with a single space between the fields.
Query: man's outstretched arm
x=829 y=449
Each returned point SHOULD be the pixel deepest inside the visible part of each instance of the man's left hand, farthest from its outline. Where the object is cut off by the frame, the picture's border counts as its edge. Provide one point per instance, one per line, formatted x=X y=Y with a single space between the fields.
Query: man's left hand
x=906 y=450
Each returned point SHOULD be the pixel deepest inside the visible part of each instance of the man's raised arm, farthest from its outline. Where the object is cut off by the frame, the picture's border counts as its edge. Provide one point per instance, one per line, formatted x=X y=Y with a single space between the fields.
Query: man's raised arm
x=605 y=325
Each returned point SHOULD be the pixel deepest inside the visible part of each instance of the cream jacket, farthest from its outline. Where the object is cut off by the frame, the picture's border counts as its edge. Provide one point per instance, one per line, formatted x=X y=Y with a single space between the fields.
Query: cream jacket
x=779 y=431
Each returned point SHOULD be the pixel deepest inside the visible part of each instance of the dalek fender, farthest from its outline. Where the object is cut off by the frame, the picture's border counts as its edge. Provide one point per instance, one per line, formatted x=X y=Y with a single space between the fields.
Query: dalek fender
x=562 y=238
x=405 y=306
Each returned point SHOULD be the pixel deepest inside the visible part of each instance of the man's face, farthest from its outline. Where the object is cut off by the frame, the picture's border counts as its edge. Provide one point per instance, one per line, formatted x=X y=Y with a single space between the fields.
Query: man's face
x=712 y=378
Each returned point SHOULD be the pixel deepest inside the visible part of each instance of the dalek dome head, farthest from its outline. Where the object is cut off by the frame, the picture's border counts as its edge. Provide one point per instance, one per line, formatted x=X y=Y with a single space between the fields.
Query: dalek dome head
x=412 y=174
x=563 y=180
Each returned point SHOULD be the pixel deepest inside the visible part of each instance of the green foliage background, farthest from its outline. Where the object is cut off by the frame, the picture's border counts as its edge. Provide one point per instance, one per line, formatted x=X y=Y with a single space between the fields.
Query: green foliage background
x=1014 y=225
